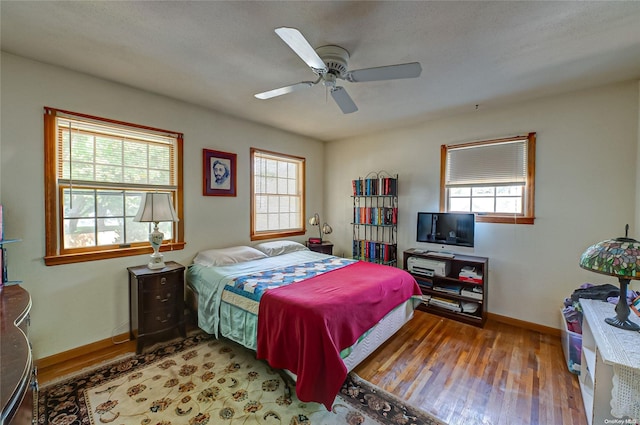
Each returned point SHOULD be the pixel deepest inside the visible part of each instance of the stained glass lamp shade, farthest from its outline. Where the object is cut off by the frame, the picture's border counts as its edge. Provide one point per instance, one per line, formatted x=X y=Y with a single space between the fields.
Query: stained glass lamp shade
x=618 y=257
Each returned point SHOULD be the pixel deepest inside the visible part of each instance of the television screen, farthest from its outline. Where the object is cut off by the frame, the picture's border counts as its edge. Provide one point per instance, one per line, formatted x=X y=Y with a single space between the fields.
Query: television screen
x=446 y=228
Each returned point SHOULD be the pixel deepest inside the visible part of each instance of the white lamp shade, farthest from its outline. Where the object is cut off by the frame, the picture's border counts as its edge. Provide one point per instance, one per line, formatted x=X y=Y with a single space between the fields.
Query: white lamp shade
x=156 y=207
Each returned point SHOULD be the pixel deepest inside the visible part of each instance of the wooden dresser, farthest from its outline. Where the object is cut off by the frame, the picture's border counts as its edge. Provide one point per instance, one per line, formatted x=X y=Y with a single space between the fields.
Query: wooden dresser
x=156 y=302
x=19 y=385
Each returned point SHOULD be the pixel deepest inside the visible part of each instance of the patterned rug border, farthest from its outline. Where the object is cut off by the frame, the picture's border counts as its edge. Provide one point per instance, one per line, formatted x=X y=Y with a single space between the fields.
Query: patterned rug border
x=359 y=393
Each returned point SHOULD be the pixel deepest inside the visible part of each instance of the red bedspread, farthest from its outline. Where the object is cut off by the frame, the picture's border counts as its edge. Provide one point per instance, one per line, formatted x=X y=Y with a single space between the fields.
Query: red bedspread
x=303 y=327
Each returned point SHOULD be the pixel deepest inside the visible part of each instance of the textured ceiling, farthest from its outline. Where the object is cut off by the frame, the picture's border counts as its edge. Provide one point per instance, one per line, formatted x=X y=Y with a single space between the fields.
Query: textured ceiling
x=218 y=54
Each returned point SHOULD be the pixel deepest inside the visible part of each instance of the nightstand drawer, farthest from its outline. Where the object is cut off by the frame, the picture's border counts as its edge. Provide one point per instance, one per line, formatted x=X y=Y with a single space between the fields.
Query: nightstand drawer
x=159 y=299
x=159 y=320
x=163 y=281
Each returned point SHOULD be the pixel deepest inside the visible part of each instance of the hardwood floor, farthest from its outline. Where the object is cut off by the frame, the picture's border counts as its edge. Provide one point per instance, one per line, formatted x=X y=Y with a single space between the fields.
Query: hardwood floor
x=459 y=373
x=465 y=375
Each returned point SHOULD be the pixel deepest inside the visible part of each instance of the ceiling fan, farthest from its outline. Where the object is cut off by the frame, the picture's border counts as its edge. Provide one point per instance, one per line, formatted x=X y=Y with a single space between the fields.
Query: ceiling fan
x=330 y=63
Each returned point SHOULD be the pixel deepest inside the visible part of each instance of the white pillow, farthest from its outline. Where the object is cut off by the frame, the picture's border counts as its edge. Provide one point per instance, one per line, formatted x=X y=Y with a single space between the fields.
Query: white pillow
x=280 y=247
x=226 y=256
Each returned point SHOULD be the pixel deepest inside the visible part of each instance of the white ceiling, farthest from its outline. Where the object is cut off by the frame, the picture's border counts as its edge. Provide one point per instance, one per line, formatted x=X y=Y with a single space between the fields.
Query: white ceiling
x=218 y=54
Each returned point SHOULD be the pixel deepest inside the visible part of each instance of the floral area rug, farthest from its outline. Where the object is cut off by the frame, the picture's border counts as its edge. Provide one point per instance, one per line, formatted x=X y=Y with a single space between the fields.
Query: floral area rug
x=200 y=380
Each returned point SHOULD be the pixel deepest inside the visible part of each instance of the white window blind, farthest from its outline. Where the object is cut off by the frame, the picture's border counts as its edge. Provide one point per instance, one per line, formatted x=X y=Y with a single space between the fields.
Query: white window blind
x=501 y=163
x=106 y=155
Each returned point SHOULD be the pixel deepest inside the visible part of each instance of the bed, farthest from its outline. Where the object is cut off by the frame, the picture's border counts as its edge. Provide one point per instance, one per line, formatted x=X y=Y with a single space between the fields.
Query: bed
x=315 y=315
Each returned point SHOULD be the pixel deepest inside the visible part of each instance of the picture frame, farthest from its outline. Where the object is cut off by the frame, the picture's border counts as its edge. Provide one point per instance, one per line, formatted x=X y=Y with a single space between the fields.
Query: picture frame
x=219 y=173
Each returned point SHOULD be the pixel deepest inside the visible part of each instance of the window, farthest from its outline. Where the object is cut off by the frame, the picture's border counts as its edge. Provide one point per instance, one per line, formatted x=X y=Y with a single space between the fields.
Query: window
x=96 y=171
x=277 y=195
x=493 y=178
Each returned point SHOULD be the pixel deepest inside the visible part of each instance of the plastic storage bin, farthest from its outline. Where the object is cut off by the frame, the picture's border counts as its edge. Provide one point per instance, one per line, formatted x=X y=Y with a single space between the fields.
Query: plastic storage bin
x=572 y=347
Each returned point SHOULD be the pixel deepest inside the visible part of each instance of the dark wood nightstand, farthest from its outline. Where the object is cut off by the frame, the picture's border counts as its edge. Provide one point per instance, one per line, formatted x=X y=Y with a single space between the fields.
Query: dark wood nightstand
x=156 y=302
x=325 y=247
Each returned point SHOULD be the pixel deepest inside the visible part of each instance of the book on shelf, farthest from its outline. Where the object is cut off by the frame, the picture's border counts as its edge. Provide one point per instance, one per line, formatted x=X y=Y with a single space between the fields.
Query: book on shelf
x=386 y=186
x=472 y=293
x=445 y=303
x=449 y=289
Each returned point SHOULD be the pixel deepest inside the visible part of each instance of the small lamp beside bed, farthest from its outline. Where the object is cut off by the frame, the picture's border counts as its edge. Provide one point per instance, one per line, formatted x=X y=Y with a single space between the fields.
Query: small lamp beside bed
x=323 y=229
x=154 y=208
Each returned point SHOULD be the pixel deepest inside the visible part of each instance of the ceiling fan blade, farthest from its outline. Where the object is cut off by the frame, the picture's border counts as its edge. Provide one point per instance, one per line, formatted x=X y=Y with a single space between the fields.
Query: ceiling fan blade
x=301 y=46
x=390 y=72
x=284 y=90
x=343 y=100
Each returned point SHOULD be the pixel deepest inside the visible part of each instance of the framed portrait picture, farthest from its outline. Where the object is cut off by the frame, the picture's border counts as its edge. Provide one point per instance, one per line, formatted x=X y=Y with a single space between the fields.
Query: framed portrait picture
x=219 y=170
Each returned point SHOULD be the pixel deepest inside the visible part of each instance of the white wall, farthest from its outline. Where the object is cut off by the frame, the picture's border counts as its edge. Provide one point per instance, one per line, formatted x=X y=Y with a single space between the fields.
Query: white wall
x=585 y=190
x=76 y=304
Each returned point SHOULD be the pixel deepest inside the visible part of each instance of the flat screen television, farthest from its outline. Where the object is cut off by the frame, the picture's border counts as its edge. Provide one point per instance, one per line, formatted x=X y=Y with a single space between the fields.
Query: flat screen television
x=446 y=228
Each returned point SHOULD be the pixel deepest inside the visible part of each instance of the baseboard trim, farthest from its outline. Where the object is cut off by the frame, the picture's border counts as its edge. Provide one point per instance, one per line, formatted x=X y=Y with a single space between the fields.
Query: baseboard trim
x=80 y=351
x=523 y=324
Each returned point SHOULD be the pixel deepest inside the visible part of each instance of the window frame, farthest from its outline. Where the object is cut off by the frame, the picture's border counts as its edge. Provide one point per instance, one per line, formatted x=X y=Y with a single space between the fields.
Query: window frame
x=54 y=208
x=528 y=216
x=255 y=235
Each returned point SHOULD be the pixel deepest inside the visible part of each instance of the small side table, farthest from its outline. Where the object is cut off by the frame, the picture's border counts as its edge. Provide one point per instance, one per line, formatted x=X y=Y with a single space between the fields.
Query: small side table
x=325 y=247
x=156 y=302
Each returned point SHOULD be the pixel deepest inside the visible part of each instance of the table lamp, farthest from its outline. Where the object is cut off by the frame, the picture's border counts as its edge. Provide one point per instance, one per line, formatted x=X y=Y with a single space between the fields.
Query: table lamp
x=618 y=257
x=154 y=208
x=325 y=229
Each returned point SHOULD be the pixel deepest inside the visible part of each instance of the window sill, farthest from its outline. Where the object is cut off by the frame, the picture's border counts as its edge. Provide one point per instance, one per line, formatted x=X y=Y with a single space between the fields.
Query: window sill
x=273 y=235
x=56 y=260
x=504 y=219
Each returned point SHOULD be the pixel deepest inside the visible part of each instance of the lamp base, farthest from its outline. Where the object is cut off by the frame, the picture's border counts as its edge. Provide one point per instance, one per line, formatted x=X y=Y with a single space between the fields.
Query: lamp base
x=621 y=319
x=622 y=324
x=156 y=261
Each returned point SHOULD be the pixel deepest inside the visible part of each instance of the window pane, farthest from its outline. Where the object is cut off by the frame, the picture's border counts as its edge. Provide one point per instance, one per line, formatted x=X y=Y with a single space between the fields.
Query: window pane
x=108 y=151
x=135 y=154
x=271 y=168
x=482 y=205
x=483 y=191
x=159 y=177
x=108 y=173
x=136 y=231
x=135 y=175
x=261 y=222
x=272 y=204
x=272 y=185
x=160 y=157
x=80 y=204
x=292 y=187
x=460 y=191
x=272 y=221
x=283 y=186
x=284 y=221
x=110 y=204
x=82 y=148
x=110 y=231
x=282 y=169
x=460 y=204
x=284 y=204
x=77 y=234
x=261 y=204
x=509 y=205
x=509 y=191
